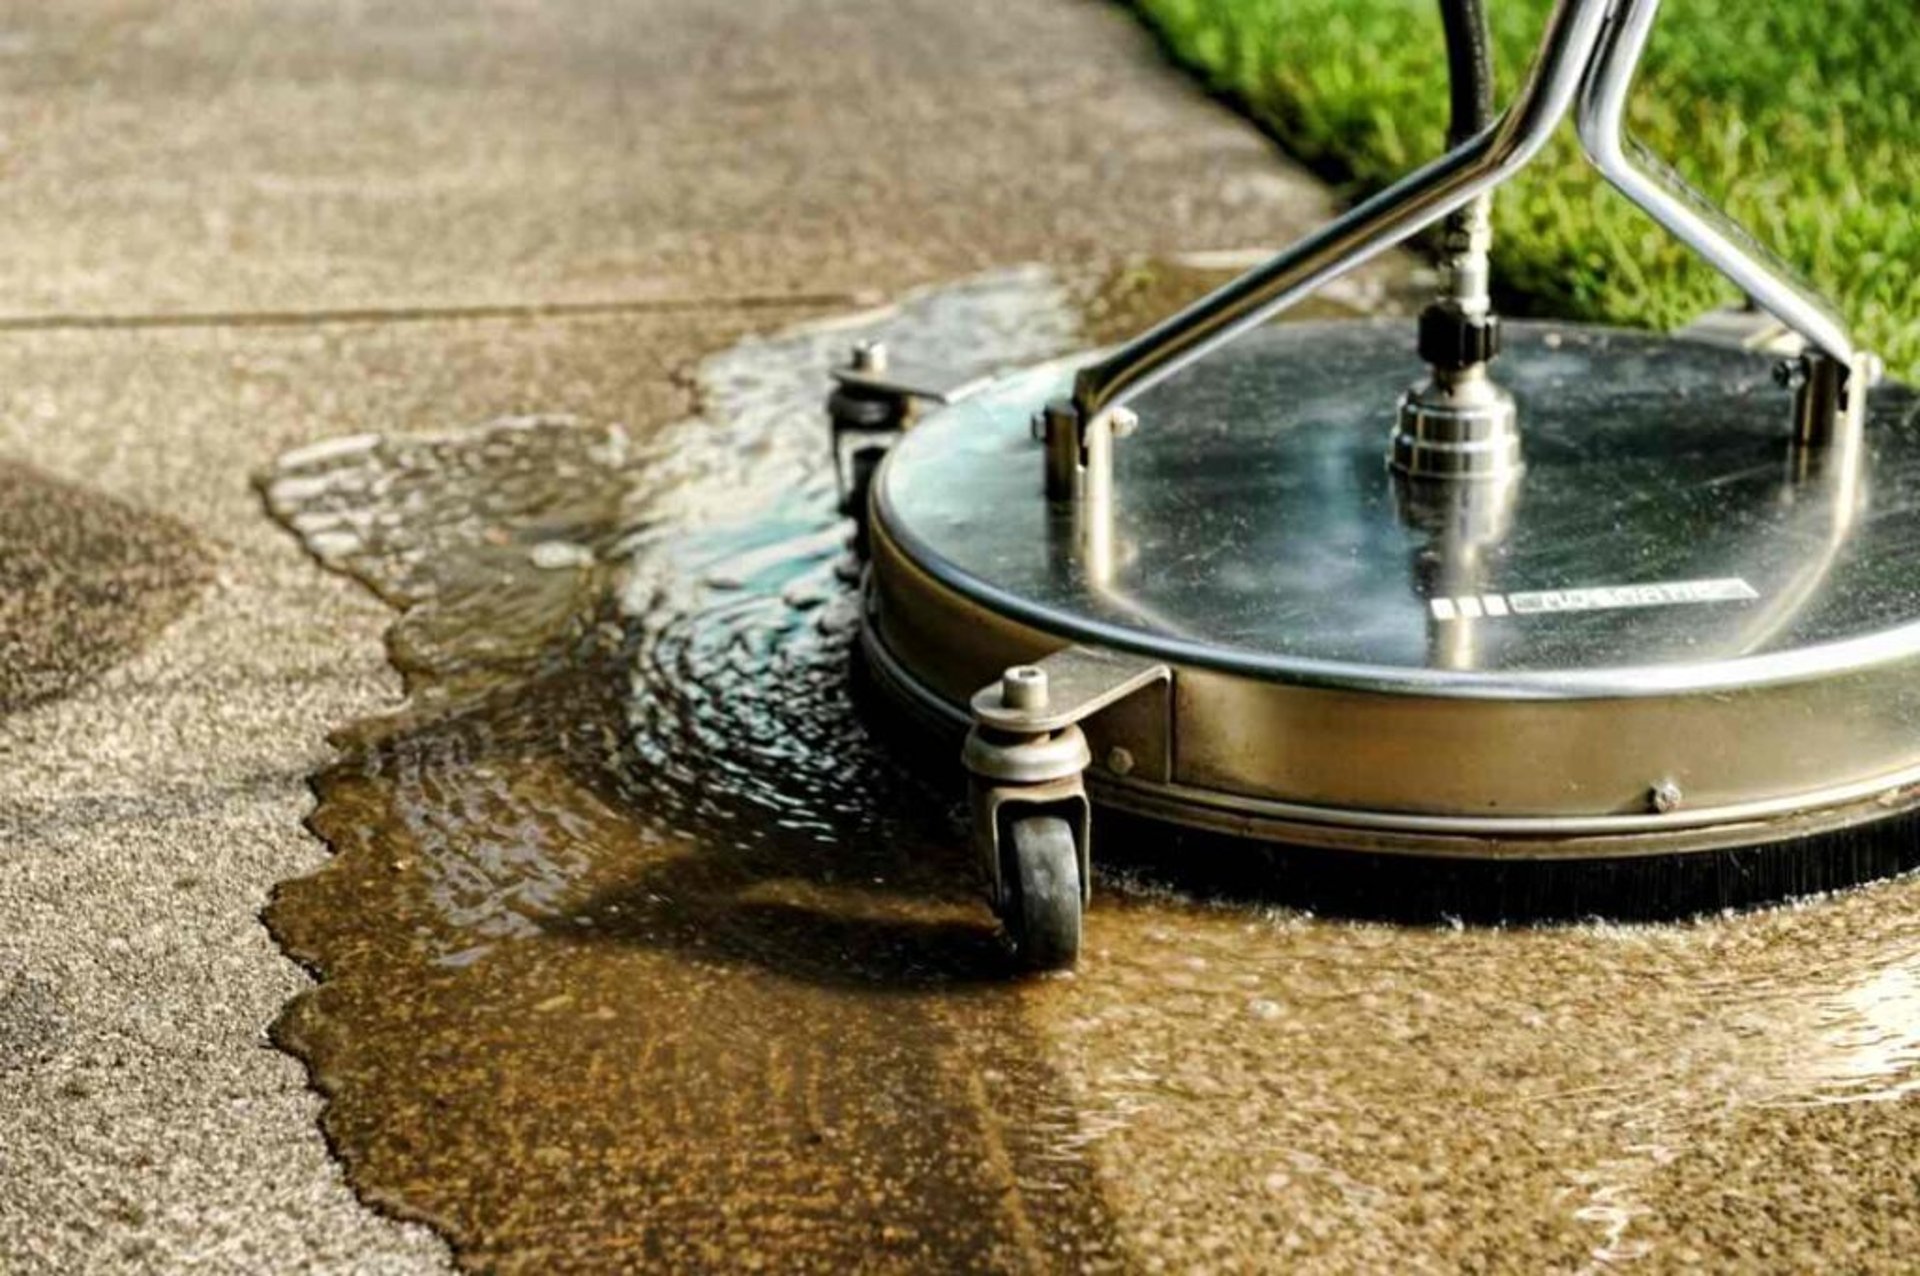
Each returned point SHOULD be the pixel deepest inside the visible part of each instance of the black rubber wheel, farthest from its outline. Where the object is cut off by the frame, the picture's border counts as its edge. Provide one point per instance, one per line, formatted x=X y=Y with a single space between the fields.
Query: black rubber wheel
x=1043 y=904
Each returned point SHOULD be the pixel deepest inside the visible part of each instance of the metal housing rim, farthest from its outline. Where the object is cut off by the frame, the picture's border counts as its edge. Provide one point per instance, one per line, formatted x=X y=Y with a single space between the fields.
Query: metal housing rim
x=1687 y=831
x=1624 y=749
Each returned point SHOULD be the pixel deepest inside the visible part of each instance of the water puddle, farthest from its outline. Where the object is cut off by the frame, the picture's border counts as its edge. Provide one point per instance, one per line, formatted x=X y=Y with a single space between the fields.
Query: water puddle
x=639 y=949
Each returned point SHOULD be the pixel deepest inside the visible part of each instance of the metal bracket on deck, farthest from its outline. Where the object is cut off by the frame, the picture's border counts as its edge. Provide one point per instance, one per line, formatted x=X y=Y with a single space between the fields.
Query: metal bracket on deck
x=874 y=399
x=1064 y=689
x=1744 y=327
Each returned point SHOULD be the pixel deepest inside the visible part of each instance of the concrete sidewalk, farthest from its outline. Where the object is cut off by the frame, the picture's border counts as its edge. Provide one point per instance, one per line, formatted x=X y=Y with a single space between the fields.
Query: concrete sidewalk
x=237 y=228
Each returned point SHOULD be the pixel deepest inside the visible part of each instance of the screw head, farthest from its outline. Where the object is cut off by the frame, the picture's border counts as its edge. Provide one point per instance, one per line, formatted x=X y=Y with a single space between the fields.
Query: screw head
x=1664 y=797
x=1024 y=687
x=1123 y=422
x=1119 y=761
x=870 y=356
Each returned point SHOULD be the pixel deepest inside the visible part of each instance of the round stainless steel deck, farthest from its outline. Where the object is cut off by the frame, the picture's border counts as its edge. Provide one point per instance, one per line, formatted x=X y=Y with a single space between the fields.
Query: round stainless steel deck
x=1669 y=632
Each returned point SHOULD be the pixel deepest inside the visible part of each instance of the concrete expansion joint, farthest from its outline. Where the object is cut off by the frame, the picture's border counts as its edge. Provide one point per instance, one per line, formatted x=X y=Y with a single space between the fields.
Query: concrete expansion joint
x=81 y=322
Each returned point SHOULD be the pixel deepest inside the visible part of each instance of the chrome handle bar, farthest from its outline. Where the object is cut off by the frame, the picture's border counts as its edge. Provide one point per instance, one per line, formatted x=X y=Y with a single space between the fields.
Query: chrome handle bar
x=1588 y=54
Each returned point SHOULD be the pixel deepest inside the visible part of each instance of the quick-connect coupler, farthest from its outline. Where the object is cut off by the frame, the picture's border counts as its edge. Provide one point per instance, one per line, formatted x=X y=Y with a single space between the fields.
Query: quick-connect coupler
x=1459 y=423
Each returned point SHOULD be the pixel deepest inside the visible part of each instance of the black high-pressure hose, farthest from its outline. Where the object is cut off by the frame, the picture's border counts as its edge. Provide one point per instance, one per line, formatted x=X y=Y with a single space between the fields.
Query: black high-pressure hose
x=1469 y=68
x=1458 y=330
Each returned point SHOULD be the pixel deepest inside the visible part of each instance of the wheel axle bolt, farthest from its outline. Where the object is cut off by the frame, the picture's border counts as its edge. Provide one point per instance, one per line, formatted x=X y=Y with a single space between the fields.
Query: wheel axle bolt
x=1024 y=687
x=870 y=356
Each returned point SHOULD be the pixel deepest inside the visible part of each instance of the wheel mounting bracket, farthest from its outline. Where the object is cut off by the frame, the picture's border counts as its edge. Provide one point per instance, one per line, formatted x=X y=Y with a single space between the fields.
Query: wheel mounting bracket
x=1027 y=749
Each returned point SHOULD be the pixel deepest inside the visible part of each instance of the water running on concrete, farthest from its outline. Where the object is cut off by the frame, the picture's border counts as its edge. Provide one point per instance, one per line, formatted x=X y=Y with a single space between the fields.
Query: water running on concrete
x=638 y=947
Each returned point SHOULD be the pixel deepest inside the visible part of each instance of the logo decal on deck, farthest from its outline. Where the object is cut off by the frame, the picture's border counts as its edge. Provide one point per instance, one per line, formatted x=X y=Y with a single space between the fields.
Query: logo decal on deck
x=1665 y=593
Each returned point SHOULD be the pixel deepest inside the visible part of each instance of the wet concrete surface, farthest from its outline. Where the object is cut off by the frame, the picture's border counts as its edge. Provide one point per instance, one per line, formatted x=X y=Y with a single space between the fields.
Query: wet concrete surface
x=636 y=948
x=641 y=946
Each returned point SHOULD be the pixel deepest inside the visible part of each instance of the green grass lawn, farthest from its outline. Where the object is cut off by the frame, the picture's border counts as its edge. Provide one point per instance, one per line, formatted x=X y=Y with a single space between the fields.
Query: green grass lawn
x=1801 y=119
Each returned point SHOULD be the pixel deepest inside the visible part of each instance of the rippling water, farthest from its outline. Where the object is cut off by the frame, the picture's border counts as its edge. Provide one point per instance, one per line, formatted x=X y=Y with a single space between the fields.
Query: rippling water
x=639 y=947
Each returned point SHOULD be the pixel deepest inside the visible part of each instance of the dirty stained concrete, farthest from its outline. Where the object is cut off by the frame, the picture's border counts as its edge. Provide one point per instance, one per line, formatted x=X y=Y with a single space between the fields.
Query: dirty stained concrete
x=85 y=581
x=243 y=233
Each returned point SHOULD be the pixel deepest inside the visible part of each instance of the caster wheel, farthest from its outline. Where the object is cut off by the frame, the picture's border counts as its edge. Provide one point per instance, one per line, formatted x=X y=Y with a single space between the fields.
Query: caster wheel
x=1042 y=916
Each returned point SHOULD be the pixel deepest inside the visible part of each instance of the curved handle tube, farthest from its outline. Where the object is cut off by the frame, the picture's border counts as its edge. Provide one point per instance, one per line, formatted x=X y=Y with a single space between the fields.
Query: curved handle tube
x=1600 y=117
x=1389 y=218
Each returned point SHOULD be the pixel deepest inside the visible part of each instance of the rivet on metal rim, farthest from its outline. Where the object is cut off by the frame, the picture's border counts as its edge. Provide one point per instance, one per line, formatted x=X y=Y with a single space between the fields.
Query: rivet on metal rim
x=1664 y=797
